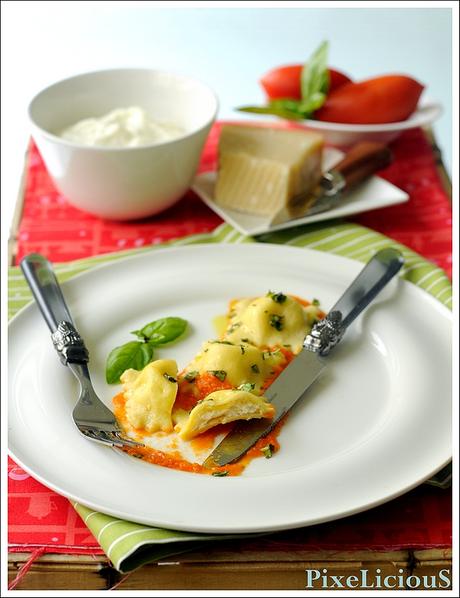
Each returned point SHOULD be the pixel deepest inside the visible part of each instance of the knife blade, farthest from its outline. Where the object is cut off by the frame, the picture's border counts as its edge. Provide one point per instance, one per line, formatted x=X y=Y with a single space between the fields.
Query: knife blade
x=305 y=368
x=282 y=394
x=361 y=161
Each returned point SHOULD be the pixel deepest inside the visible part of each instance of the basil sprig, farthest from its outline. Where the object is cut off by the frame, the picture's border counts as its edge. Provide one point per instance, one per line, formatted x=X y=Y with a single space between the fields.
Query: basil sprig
x=314 y=85
x=137 y=354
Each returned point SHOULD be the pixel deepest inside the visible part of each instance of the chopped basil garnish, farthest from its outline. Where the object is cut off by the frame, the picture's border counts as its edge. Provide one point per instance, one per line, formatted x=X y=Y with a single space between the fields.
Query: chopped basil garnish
x=247 y=386
x=315 y=302
x=268 y=450
x=276 y=321
x=270 y=353
x=277 y=297
x=169 y=378
x=243 y=350
x=137 y=455
x=221 y=343
x=219 y=474
x=255 y=368
x=220 y=374
x=191 y=376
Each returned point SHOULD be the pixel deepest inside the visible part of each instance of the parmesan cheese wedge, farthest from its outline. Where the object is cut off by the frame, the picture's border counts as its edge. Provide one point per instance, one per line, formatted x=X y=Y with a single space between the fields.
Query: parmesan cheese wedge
x=262 y=170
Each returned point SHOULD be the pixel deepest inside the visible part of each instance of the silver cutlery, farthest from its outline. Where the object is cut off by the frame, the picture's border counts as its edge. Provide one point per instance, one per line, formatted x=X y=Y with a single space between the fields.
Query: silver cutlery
x=92 y=418
x=360 y=162
x=305 y=368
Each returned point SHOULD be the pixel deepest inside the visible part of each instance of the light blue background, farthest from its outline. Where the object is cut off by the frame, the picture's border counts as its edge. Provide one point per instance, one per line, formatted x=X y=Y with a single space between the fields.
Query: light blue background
x=228 y=48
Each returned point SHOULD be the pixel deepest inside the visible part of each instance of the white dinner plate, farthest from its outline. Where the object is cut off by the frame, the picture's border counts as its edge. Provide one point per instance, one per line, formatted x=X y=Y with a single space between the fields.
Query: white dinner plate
x=377 y=423
x=370 y=195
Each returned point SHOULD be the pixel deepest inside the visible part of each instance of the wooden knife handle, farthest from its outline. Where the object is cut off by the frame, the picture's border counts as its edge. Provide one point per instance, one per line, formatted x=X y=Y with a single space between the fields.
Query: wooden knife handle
x=362 y=160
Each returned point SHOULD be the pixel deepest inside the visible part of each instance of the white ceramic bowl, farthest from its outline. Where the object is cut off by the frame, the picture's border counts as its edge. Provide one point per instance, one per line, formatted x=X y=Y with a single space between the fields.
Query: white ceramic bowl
x=123 y=183
x=344 y=135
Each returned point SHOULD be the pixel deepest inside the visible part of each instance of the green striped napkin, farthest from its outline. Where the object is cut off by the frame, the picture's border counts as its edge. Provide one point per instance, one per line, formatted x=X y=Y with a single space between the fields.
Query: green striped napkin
x=129 y=545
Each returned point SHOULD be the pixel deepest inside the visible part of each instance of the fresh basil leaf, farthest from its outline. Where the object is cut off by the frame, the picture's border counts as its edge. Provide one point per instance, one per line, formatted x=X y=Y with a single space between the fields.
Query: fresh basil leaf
x=288 y=109
x=313 y=104
x=139 y=334
x=162 y=331
x=134 y=354
x=314 y=80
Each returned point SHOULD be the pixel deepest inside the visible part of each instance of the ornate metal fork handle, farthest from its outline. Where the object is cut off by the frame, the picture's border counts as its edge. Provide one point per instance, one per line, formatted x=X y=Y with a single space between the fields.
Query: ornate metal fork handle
x=93 y=419
x=69 y=344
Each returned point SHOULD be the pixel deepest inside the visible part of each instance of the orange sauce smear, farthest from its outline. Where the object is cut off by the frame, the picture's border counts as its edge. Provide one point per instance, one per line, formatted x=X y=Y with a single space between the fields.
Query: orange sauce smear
x=174 y=459
x=188 y=396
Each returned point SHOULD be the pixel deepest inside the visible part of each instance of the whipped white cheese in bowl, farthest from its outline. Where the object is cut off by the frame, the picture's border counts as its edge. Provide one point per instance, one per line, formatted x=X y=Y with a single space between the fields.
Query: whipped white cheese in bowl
x=123 y=143
x=122 y=127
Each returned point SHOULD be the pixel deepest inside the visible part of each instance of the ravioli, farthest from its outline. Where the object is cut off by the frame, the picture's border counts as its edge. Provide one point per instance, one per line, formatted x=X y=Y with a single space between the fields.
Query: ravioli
x=150 y=395
x=236 y=363
x=221 y=407
x=273 y=320
x=223 y=383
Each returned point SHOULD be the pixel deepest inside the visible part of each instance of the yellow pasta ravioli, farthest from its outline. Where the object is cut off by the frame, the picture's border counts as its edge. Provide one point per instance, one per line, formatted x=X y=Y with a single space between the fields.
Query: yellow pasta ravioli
x=150 y=395
x=221 y=407
x=275 y=319
x=236 y=363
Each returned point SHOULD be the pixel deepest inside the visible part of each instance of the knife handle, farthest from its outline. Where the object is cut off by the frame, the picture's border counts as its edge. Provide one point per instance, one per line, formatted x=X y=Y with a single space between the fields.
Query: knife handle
x=362 y=161
x=45 y=288
x=375 y=275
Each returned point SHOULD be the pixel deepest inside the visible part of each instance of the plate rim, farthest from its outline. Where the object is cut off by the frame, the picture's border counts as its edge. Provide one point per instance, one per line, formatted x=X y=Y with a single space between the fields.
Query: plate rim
x=244 y=530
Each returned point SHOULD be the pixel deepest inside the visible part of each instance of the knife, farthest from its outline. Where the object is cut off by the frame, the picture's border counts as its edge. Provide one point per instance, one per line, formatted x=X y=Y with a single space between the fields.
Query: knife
x=362 y=160
x=305 y=368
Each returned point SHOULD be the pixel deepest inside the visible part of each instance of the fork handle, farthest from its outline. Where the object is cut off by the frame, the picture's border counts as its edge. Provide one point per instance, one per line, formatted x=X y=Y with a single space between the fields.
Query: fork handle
x=45 y=288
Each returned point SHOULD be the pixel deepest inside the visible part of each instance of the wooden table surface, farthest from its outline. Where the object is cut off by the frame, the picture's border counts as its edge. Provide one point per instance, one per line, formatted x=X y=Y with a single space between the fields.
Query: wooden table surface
x=228 y=565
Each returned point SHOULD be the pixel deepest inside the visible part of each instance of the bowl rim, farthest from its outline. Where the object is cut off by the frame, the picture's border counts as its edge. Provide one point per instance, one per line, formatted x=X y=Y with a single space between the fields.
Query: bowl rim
x=420 y=120
x=97 y=148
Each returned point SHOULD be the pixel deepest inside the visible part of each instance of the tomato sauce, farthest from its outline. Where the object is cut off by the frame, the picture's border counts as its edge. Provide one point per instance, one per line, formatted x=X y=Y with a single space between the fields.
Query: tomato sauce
x=188 y=395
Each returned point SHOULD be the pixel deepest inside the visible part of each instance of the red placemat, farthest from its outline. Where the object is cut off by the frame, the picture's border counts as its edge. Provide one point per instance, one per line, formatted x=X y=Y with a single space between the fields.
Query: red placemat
x=50 y=225
x=419 y=519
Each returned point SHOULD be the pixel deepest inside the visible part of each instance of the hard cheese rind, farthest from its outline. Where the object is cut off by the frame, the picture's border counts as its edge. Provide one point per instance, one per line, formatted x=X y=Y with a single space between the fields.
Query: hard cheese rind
x=263 y=170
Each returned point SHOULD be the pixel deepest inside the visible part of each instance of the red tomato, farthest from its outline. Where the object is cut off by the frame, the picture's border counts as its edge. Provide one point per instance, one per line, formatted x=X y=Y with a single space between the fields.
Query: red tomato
x=284 y=81
x=386 y=99
x=337 y=79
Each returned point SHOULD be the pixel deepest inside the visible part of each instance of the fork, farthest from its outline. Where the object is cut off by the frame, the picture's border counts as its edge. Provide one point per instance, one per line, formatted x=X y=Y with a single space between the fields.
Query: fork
x=92 y=418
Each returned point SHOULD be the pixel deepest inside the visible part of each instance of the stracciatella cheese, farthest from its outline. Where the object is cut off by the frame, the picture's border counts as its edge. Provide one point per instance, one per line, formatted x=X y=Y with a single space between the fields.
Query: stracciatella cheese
x=122 y=127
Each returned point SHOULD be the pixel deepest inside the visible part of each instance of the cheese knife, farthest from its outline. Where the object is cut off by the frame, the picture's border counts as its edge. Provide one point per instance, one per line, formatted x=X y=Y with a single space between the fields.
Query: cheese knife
x=361 y=161
x=305 y=368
